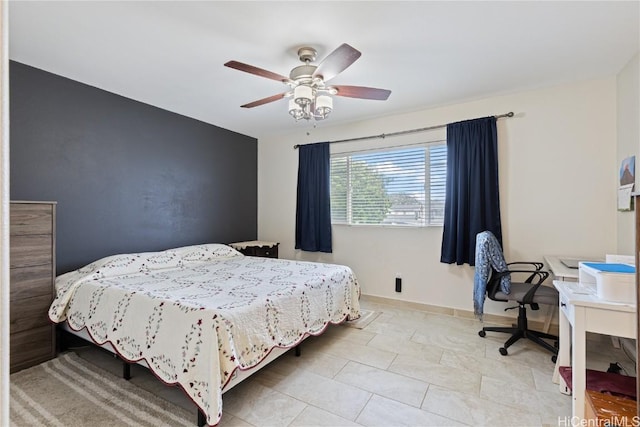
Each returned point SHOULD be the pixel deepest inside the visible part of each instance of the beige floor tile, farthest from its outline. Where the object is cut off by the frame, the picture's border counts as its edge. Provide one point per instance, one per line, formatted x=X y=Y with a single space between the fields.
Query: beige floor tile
x=338 y=398
x=450 y=338
x=541 y=381
x=462 y=324
x=348 y=349
x=406 y=347
x=550 y=404
x=355 y=335
x=554 y=408
x=385 y=412
x=261 y=406
x=229 y=420
x=381 y=327
x=525 y=352
x=434 y=373
x=384 y=383
x=475 y=410
x=312 y=416
x=404 y=319
x=317 y=362
x=506 y=369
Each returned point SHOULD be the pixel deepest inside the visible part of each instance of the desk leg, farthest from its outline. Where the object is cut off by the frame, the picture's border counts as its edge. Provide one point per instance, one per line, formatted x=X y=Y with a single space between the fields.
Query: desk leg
x=564 y=352
x=578 y=359
x=547 y=321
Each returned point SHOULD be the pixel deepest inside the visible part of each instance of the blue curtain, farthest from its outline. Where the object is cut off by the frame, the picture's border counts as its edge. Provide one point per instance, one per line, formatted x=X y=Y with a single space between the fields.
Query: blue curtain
x=472 y=203
x=313 y=205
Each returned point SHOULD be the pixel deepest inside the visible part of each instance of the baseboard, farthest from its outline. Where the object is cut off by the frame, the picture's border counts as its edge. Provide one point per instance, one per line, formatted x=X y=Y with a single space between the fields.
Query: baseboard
x=455 y=312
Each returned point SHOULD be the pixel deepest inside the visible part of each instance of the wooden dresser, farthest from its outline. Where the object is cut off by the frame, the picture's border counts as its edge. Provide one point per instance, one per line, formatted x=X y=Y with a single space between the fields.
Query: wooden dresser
x=33 y=263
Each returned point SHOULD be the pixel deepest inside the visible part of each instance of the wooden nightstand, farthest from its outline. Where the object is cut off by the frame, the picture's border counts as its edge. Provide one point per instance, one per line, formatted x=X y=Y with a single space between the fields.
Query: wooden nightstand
x=257 y=248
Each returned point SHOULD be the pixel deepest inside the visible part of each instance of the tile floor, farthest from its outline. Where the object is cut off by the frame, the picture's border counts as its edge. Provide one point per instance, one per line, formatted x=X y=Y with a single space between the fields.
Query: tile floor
x=406 y=368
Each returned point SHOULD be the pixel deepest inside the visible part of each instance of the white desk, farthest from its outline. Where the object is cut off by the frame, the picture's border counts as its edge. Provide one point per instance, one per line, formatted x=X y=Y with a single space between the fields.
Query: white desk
x=564 y=273
x=582 y=313
x=561 y=271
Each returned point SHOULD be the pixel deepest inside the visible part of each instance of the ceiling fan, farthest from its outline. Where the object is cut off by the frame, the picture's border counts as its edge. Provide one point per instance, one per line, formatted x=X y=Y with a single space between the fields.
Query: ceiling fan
x=310 y=96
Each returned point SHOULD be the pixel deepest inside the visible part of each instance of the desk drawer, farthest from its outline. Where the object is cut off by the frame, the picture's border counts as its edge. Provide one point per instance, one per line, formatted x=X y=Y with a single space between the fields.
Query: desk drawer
x=566 y=308
x=609 y=322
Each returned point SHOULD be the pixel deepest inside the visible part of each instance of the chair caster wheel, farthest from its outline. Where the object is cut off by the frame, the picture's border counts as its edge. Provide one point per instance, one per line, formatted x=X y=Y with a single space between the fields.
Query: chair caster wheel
x=554 y=358
x=482 y=334
x=503 y=351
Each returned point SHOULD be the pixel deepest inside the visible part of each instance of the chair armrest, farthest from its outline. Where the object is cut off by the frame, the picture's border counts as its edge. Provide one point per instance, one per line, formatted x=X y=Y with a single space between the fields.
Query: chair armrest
x=538 y=265
x=528 y=297
x=541 y=275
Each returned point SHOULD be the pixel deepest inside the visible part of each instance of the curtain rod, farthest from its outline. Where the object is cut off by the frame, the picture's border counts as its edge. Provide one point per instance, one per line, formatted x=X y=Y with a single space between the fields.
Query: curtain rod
x=402 y=132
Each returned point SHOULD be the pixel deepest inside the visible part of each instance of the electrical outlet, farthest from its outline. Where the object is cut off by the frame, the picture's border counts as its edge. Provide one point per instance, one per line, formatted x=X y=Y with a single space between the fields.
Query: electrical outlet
x=398 y=284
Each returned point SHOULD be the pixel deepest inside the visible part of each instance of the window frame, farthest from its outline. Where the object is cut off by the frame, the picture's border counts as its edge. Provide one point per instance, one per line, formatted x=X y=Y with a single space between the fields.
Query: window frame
x=428 y=220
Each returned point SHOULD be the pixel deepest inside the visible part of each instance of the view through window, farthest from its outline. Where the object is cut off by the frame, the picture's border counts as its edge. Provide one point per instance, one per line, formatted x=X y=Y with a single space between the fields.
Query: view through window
x=397 y=186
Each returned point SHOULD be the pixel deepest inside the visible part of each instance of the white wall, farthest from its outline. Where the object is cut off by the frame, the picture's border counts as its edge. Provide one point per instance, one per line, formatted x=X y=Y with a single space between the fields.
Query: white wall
x=557 y=191
x=628 y=141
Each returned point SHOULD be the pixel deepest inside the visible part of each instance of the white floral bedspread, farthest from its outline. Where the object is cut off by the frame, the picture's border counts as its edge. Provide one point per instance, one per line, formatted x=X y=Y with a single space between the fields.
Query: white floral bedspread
x=198 y=313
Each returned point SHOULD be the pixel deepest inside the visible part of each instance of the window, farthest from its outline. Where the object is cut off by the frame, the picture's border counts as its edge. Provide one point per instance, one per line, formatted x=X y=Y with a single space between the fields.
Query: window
x=397 y=186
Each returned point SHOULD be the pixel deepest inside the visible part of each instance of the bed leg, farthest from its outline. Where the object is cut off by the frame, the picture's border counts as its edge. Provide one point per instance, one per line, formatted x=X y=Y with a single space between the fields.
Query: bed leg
x=202 y=420
x=60 y=344
x=126 y=370
x=298 y=350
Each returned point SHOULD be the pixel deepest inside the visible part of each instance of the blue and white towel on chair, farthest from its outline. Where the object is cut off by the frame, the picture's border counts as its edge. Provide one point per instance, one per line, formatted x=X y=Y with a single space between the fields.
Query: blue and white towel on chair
x=488 y=255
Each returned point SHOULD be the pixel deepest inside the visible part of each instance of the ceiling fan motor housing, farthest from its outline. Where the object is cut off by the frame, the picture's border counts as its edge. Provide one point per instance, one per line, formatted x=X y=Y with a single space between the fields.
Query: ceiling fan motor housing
x=302 y=72
x=307 y=54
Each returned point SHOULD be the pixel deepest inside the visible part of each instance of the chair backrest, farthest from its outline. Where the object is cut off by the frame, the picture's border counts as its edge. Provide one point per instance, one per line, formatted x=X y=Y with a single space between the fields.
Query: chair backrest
x=493 y=284
x=489 y=255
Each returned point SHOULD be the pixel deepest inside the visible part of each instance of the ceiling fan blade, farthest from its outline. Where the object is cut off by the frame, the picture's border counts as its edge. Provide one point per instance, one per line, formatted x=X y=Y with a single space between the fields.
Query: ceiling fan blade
x=257 y=71
x=336 y=62
x=264 y=100
x=362 y=92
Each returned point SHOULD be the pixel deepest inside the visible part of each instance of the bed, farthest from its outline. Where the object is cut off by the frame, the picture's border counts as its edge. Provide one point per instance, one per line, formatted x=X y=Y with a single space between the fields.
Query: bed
x=200 y=315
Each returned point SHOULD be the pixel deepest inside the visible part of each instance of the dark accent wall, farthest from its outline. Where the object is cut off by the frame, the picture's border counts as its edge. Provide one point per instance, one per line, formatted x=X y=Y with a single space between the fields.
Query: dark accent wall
x=127 y=176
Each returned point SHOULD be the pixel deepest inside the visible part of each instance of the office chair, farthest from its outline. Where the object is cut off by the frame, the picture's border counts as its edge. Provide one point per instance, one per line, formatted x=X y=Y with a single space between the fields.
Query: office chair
x=529 y=292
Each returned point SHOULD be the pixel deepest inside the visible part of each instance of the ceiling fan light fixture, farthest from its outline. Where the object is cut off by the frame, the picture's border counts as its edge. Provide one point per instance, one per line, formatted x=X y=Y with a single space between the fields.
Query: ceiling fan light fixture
x=295 y=110
x=303 y=95
x=323 y=106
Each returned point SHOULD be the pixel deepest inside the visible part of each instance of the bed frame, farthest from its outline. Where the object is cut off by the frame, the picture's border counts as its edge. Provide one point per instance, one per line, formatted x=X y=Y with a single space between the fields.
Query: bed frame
x=236 y=378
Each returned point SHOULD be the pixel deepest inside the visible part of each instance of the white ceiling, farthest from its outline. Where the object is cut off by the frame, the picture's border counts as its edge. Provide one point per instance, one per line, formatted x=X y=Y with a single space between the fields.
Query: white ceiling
x=171 y=53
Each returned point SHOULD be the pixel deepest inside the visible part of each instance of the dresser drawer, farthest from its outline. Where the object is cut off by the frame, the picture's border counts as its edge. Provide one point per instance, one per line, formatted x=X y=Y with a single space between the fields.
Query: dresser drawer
x=31 y=218
x=31 y=347
x=29 y=282
x=30 y=250
x=263 y=251
x=29 y=313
